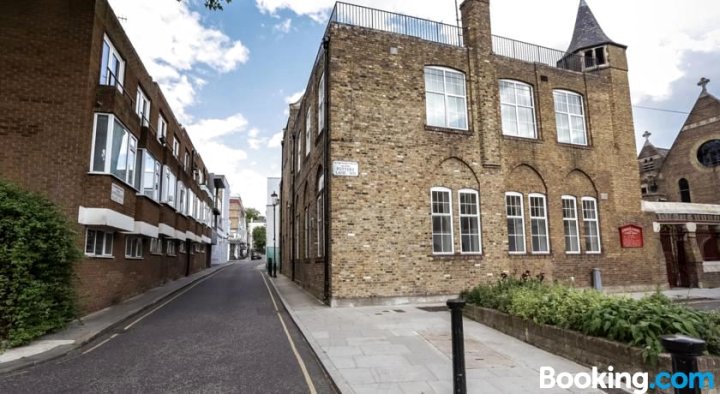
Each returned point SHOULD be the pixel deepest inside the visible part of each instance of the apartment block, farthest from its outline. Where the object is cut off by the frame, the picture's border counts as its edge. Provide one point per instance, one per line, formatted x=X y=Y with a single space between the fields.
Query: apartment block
x=83 y=123
x=426 y=158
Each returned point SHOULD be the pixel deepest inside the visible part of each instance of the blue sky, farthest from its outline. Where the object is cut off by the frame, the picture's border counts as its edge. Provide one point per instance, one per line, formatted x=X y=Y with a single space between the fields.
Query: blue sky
x=229 y=75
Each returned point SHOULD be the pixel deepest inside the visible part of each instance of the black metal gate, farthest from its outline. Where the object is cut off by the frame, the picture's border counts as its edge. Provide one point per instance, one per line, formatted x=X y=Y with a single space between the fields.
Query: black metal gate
x=672 y=237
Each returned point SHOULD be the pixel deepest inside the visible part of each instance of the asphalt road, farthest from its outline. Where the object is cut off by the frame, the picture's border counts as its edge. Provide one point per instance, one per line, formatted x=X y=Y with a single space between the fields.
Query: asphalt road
x=221 y=336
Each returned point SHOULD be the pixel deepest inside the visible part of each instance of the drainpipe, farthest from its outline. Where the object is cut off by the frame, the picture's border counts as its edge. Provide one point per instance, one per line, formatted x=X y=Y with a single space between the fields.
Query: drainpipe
x=326 y=169
x=292 y=203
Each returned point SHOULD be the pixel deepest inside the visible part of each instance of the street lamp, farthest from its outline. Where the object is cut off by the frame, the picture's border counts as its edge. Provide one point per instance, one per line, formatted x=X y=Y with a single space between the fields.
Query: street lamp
x=274 y=198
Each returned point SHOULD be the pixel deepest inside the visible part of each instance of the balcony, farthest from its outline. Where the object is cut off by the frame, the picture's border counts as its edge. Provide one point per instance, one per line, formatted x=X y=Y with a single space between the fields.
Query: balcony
x=355 y=15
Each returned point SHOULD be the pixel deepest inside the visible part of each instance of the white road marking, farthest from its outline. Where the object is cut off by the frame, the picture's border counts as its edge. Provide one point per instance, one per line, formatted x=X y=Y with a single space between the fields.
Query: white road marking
x=310 y=384
x=99 y=344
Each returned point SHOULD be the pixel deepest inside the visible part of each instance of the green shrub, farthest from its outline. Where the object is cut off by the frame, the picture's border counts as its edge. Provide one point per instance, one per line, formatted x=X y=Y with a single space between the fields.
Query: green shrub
x=37 y=252
x=636 y=322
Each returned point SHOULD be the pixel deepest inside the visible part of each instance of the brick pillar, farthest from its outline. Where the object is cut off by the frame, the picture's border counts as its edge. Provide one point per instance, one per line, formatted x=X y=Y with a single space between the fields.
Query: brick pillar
x=484 y=107
x=693 y=257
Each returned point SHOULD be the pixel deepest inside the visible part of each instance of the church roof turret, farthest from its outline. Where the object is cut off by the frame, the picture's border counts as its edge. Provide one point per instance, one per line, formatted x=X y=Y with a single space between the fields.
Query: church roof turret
x=588 y=32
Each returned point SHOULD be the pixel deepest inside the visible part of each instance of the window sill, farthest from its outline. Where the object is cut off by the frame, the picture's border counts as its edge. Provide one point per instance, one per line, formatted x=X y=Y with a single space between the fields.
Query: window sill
x=156 y=254
x=523 y=139
x=448 y=130
x=133 y=258
x=456 y=256
x=92 y=256
x=575 y=146
x=529 y=255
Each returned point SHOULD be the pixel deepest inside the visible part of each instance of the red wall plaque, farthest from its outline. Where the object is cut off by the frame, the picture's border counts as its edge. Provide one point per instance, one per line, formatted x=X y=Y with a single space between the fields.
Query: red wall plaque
x=631 y=236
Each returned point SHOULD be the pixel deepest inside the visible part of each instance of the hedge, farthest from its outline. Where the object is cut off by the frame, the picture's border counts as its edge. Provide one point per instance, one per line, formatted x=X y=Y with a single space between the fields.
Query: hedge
x=37 y=252
x=635 y=322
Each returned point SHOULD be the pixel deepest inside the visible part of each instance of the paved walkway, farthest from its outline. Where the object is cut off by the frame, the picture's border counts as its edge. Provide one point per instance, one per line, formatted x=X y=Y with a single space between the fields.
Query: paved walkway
x=683 y=294
x=405 y=349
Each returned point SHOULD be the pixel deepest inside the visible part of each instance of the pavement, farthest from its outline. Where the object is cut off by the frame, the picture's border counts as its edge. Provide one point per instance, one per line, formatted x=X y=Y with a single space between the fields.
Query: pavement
x=86 y=329
x=683 y=294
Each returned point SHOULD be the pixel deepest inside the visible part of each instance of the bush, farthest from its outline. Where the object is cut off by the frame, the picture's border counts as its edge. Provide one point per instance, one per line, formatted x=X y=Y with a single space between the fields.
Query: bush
x=636 y=322
x=37 y=253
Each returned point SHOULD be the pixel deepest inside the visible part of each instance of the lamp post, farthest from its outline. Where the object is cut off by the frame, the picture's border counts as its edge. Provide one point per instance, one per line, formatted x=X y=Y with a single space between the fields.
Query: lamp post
x=274 y=198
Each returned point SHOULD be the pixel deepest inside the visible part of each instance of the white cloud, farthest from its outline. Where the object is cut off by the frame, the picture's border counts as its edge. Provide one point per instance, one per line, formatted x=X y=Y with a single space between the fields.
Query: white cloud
x=276 y=140
x=173 y=42
x=293 y=98
x=212 y=129
x=284 y=26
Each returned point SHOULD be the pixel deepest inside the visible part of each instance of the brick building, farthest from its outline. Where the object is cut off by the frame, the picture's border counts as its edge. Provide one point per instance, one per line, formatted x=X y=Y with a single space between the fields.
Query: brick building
x=424 y=159
x=681 y=186
x=82 y=122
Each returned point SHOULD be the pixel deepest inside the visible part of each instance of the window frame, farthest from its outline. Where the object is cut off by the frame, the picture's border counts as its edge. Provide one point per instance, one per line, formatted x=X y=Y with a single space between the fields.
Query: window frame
x=685 y=195
x=162 y=129
x=596 y=220
x=570 y=116
x=308 y=131
x=135 y=244
x=308 y=232
x=544 y=218
x=168 y=250
x=321 y=103
x=142 y=99
x=522 y=222
x=156 y=246
x=169 y=186
x=120 y=78
x=576 y=219
x=131 y=150
x=516 y=105
x=176 y=147
x=320 y=214
x=448 y=214
x=445 y=71
x=475 y=216
x=105 y=236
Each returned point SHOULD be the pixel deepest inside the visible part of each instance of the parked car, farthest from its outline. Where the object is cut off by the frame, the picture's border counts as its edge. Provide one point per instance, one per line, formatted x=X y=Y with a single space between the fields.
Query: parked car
x=256 y=257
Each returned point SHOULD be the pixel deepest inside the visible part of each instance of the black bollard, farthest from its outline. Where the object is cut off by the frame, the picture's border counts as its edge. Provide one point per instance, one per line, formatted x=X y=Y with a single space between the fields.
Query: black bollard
x=269 y=267
x=274 y=270
x=684 y=351
x=458 y=345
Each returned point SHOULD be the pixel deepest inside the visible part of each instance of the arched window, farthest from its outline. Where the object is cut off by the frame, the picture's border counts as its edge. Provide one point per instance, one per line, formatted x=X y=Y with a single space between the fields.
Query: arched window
x=570 y=117
x=320 y=209
x=684 y=186
x=709 y=153
x=518 y=109
x=445 y=98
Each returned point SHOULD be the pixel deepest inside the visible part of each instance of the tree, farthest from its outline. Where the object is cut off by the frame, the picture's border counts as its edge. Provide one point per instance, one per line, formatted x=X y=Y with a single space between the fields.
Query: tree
x=214 y=4
x=251 y=214
x=259 y=239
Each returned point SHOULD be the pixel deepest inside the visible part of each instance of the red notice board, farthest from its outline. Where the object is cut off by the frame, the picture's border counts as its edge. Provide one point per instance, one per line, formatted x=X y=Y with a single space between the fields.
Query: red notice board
x=631 y=236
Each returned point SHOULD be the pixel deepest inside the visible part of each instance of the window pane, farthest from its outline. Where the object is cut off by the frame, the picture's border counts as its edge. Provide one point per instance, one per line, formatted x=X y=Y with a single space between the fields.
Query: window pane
x=435 y=109
x=524 y=95
x=434 y=80
x=561 y=104
x=563 y=127
x=526 y=122
x=108 y=243
x=509 y=120
x=101 y=135
x=457 y=113
x=455 y=83
x=104 y=64
x=118 y=157
x=507 y=92
x=90 y=242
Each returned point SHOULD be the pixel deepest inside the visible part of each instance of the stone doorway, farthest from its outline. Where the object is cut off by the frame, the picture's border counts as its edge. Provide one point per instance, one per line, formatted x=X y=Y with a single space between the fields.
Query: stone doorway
x=672 y=238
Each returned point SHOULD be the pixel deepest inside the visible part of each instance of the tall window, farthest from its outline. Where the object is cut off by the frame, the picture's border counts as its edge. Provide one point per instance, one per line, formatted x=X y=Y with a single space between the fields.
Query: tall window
x=307 y=233
x=298 y=146
x=445 y=98
x=155 y=246
x=442 y=233
x=168 y=187
x=570 y=225
x=297 y=236
x=98 y=243
x=518 y=109
x=182 y=198
x=133 y=247
x=142 y=107
x=162 y=129
x=538 y=224
x=469 y=222
x=170 y=247
x=321 y=103
x=112 y=65
x=150 y=185
x=570 y=117
x=590 y=224
x=684 y=187
x=515 y=222
x=114 y=149
x=308 y=130
x=320 y=214
x=186 y=160
x=176 y=147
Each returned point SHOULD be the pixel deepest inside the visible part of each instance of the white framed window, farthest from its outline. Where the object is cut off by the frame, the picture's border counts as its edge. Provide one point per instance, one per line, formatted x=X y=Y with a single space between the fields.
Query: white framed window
x=570 y=117
x=470 y=238
x=142 y=107
x=182 y=198
x=155 y=246
x=321 y=103
x=162 y=129
x=297 y=236
x=98 y=243
x=570 y=225
x=307 y=232
x=168 y=186
x=320 y=209
x=149 y=184
x=133 y=247
x=186 y=160
x=170 y=247
x=112 y=65
x=540 y=243
x=182 y=248
x=591 y=225
x=308 y=130
x=445 y=98
x=515 y=222
x=517 y=109
x=442 y=227
x=176 y=147
x=114 y=149
x=298 y=146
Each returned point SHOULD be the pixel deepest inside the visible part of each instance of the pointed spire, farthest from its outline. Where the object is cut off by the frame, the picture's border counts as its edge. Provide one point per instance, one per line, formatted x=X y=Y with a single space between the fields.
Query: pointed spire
x=588 y=32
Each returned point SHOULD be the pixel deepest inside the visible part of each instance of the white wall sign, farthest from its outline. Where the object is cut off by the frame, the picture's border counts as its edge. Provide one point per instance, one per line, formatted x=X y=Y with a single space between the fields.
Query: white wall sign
x=117 y=194
x=345 y=168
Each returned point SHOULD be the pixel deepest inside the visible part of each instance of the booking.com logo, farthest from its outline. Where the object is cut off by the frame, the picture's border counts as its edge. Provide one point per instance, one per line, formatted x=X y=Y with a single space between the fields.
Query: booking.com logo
x=639 y=382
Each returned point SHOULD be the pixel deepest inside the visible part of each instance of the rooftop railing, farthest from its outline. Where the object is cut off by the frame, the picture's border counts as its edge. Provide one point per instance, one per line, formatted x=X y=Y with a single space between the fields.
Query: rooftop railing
x=355 y=15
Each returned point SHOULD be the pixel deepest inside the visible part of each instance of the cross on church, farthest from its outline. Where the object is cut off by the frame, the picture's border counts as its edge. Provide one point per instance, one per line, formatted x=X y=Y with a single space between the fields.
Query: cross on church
x=703 y=82
x=647 y=135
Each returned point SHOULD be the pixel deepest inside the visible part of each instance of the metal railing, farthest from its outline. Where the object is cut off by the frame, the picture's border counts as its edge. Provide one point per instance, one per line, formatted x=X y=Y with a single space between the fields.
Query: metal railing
x=355 y=15
x=538 y=54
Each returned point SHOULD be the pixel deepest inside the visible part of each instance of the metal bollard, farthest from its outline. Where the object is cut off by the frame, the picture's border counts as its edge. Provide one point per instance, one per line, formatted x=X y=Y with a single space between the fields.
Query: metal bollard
x=458 y=345
x=684 y=351
x=269 y=266
x=274 y=269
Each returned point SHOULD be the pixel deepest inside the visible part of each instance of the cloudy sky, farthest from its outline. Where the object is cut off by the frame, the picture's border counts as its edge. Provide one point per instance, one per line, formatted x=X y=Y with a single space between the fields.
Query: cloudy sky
x=229 y=75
